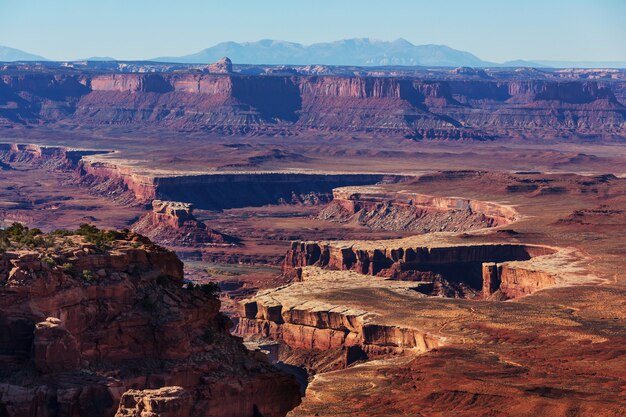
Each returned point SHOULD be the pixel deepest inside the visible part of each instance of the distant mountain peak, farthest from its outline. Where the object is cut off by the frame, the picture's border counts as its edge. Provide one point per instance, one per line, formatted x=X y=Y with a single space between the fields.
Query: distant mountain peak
x=99 y=58
x=402 y=41
x=8 y=54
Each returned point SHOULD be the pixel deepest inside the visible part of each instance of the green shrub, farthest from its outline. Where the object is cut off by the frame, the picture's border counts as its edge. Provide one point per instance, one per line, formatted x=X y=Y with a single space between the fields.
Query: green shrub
x=62 y=232
x=51 y=262
x=211 y=289
x=19 y=236
x=5 y=243
x=87 y=275
x=16 y=230
x=102 y=239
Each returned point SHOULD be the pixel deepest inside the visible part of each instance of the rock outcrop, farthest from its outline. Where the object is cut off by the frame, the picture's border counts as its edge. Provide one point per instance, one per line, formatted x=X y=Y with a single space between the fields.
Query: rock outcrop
x=54 y=347
x=223 y=66
x=51 y=157
x=163 y=402
x=351 y=301
x=173 y=223
x=215 y=191
x=86 y=317
x=298 y=316
x=471 y=264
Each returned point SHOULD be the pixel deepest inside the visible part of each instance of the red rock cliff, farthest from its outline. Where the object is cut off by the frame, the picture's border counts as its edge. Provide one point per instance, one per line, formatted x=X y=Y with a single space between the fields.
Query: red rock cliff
x=423 y=108
x=80 y=324
x=471 y=264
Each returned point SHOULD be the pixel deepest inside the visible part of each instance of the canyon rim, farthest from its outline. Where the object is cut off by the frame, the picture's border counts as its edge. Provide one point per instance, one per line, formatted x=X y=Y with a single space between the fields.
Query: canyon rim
x=273 y=228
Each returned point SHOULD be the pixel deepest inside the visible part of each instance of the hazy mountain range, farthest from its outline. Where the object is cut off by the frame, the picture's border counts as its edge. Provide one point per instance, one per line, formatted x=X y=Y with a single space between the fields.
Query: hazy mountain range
x=353 y=52
x=359 y=52
x=11 y=54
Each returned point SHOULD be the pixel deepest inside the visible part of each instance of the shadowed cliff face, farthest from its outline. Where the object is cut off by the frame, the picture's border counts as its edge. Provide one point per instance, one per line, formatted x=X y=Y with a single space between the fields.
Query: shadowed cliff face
x=480 y=267
x=275 y=98
x=215 y=192
x=211 y=191
x=246 y=103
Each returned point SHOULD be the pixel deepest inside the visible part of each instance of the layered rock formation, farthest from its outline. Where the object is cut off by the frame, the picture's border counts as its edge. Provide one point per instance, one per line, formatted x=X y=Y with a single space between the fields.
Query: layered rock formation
x=472 y=264
x=297 y=315
x=173 y=223
x=163 y=402
x=86 y=317
x=215 y=191
x=379 y=209
x=235 y=103
x=122 y=182
x=360 y=300
x=52 y=157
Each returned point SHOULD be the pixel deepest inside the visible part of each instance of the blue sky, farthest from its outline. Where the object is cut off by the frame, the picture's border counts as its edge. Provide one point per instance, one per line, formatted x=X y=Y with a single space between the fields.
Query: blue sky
x=140 y=29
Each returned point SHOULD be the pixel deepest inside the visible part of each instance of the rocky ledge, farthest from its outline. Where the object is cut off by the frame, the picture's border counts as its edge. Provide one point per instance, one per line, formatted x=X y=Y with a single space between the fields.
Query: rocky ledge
x=300 y=315
x=94 y=321
x=381 y=209
x=365 y=299
x=493 y=270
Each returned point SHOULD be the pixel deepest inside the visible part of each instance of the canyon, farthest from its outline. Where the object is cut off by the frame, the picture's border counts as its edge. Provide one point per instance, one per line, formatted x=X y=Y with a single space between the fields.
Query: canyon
x=454 y=268
x=394 y=241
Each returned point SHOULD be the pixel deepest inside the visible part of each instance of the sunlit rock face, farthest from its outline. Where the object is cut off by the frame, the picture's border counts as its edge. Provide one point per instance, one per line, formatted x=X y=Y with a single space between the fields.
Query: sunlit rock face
x=459 y=105
x=82 y=323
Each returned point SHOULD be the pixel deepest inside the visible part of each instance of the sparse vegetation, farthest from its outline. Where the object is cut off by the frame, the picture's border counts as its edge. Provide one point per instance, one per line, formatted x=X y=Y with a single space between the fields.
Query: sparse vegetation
x=49 y=261
x=19 y=236
x=216 y=272
x=5 y=244
x=62 y=232
x=211 y=289
x=87 y=275
x=102 y=239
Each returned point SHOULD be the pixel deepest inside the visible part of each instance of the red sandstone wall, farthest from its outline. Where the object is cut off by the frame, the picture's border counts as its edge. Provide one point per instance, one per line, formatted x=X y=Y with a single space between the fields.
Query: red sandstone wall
x=511 y=281
x=323 y=330
x=424 y=108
